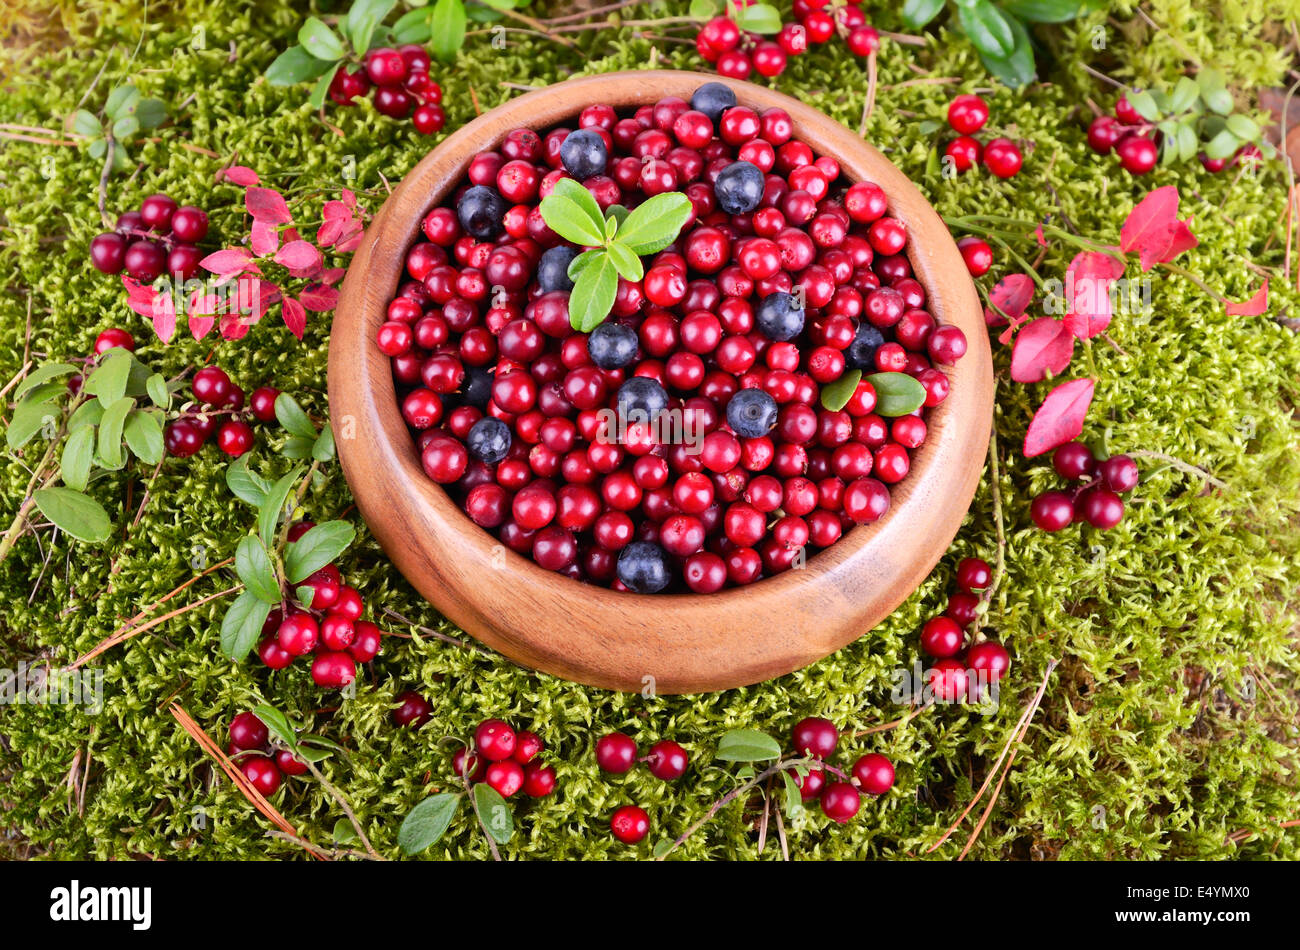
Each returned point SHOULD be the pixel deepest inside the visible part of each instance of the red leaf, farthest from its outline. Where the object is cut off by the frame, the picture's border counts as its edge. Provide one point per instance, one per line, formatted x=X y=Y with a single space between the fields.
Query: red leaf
x=1149 y=220
x=1088 y=281
x=264 y=238
x=267 y=204
x=1012 y=295
x=1252 y=307
x=229 y=262
x=1060 y=418
x=332 y=275
x=351 y=240
x=295 y=316
x=200 y=326
x=235 y=326
x=1038 y=236
x=319 y=298
x=299 y=256
x=240 y=175
x=1045 y=344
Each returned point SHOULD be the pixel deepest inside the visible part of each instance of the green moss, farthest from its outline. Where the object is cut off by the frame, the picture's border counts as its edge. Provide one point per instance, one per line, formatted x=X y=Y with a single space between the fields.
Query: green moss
x=1170 y=723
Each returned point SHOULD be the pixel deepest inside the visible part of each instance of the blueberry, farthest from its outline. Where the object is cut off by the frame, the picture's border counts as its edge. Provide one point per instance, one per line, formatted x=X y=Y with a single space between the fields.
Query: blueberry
x=640 y=394
x=553 y=269
x=583 y=154
x=480 y=211
x=643 y=567
x=779 y=317
x=861 y=353
x=477 y=388
x=612 y=345
x=739 y=188
x=713 y=99
x=488 y=440
x=751 y=413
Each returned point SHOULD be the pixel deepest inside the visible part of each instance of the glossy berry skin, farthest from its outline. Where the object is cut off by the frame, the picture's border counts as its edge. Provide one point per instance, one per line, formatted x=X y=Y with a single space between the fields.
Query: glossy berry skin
x=333 y=670
x=1002 y=157
x=1120 y=473
x=713 y=98
x=1100 y=507
x=840 y=801
x=189 y=224
x=612 y=345
x=967 y=114
x=262 y=403
x=946 y=345
x=495 y=740
x=1052 y=511
x=989 y=659
x=289 y=764
x=489 y=440
x=528 y=746
x=262 y=773
x=553 y=269
x=248 y=732
x=973 y=574
x=235 y=438
x=108 y=253
x=629 y=824
x=615 y=753
x=211 y=386
x=963 y=608
x=752 y=413
x=156 y=213
x=467 y=765
x=386 y=67
x=1104 y=133
x=739 y=188
x=412 y=710
x=667 y=760
x=111 y=338
x=942 y=637
x=144 y=260
x=643 y=567
x=815 y=737
x=298 y=634
x=874 y=773
x=1074 y=461
x=977 y=254
x=182 y=438
x=507 y=777
x=539 y=780
x=480 y=210
x=584 y=154
x=964 y=153
x=1138 y=154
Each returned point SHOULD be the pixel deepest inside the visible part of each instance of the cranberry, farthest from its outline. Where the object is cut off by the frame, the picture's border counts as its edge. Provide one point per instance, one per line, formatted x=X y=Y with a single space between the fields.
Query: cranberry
x=814 y=737
x=1104 y=133
x=494 y=740
x=948 y=681
x=262 y=773
x=248 y=732
x=840 y=801
x=108 y=253
x=942 y=637
x=507 y=777
x=1074 y=461
x=1100 y=507
x=467 y=765
x=1002 y=157
x=629 y=824
x=539 y=780
x=989 y=660
x=1138 y=154
x=412 y=710
x=973 y=574
x=874 y=773
x=235 y=438
x=189 y=224
x=615 y=752
x=387 y=67
x=113 y=337
x=1052 y=511
x=977 y=254
x=156 y=213
x=1120 y=473
x=967 y=114
x=333 y=670
x=667 y=760
x=289 y=764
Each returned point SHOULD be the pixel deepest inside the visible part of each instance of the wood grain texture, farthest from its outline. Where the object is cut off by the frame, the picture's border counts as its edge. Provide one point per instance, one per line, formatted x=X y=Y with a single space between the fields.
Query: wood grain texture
x=680 y=643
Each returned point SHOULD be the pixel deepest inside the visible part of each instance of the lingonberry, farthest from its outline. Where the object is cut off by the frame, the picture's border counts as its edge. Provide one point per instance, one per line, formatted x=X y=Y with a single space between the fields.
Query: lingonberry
x=113 y=337
x=144 y=260
x=290 y=764
x=108 y=253
x=1120 y=473
x=235 y=438
x=615 y=753
x=973 y=574
x=1003 y=158
x=964 y=152
x=412 y=710
x=989 y=660
x=815 y=737
x=494 y=740
x=947 y=680
x=528 y=745
x=1137 y=153
x=667 y=760
x=629 y=824
x=967 y=114
x=539 y=780
x=248 y=732
x=211 y=386
x=840 y=801
x=862 y=40
x=386 y=67
x=1100 y=507
x=261 y=772
x=1104 y=133
x=874 y=773
x=947 y=344
x=977 y=254
x=942 y=637
x=467 y=765
x=1074 y=461
x=1052 y=511
x=507 y=777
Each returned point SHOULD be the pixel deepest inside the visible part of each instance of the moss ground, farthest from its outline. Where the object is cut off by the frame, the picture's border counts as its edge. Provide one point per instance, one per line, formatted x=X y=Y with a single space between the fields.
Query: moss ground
x=1170 y=723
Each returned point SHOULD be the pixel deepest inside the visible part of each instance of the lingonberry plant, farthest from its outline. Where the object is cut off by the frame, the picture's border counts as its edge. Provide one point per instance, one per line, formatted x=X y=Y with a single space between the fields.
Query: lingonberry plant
x=734 y=41
x=268 y=747
x=158 y=238
x=107 y=136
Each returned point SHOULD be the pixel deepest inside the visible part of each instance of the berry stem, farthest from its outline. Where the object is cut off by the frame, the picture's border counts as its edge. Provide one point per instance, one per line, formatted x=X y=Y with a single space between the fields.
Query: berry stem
x=1185 y=467
x=492 y=845
x=995 y=477
x=338 y=796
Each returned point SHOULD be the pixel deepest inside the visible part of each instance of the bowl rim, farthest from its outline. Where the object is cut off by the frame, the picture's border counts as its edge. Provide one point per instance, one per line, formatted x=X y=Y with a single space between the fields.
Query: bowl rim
x=446 y=564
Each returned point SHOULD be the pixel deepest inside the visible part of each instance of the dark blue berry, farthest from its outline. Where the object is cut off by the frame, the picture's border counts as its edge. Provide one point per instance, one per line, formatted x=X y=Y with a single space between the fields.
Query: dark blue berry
x=480 y=210
x=612 y=345
x=477 y=388
x=779 y=317
x=641 y=395
x=643 y=567
x=553 y=269
x=739 y=188
x=583 y=154
x=488 y=440
x=861 y=353
x=713 y=99
x=751 y=413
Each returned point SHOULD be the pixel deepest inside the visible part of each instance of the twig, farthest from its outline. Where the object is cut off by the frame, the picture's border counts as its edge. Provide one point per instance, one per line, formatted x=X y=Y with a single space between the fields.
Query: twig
x=594 y=11
x=437 y=635
x=109 y=642
x=995 y=477
x=1185 y=467
x=332 y=852
x=109 y=153
x=335 y=794
x=492 y=845
x=869 y=102
x=17 y=378
x=906 y=39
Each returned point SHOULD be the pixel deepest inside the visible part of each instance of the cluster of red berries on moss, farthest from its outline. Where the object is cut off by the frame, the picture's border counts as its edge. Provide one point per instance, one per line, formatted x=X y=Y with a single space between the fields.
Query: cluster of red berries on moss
x=220 y=408
x=250 y=748
x=325 y=625
x=1095 y=498
x=160 y=238
x=967 y=114
x=785 y=279
x=840 y=795
x=1130 y=137
x=736 y=53
x=506 y=760
x=401 y=84
x=961 y=671
x=616 y=753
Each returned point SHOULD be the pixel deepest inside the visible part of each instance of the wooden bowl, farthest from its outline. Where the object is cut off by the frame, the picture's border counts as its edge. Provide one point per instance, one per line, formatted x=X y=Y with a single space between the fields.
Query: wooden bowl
x=676 y=643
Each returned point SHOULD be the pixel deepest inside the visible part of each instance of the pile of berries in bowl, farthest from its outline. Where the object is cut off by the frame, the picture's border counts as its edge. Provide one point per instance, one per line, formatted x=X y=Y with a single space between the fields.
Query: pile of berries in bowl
x=688 y=413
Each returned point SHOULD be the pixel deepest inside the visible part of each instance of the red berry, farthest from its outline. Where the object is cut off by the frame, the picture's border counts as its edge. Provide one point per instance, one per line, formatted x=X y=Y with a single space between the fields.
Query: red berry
x=967 y=114
x=1052 y=511
x=108 y=253
x=1138 y=154
x=412 y=710
x=667 y=760
x=235 y=438
x=466 y=765
x=495 y=740
x=615 y=753
x=863 y=41
x=973 y=574
x=965 y=152
x=386 y=67
x=874 y=773
x=1074 y=461
x=248 y=732
x=942 y=637
x=111 y=338
x=262 y=773
x=156 y=213
x=428 y=118
x=528 y=745
x=1125 y=112
x=815 y=737
x=840 y=801
x=1120 y=473
x=1100 y=507
x=331 y=670
x=946 y=345
x=189 y=224
x=629 y=824
x=1104 y=133
x=539 y=780
x=1002 y=157
x=507 y=777
x=989 y=659
x=977 y=254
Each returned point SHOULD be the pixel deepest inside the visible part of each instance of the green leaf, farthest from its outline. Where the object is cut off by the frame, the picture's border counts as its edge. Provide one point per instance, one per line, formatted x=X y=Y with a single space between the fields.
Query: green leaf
x=323 y=448
x=655 y=223
x=319 y=40
x=126 y=127
x=241 y=627
x=1187 y=143
x=78 y=452
x=28 y=418
x=572 y=213
x=1210 y=79
x=144 y=435
x=836 y=395
x=627 y=264
x=291 y=416
x=580 y=263
x=917 y=13
x=1184 y=94
x=592 y=297
x=296 y=447
x=1144 y=104
x=84 y=123
x=97 y=148
x=318 y=547
x=246 y=485
x=447 y=27
x=272 y=507
x=108 y=381
x=253 y=565
x=617 y=214
x=702 y=9
x=150 y=113
x=43 y=374
x=277 y=723
x=305 y=594
x=87 y=414
x=110 y=433
x=321 y=89
x=1243 y=127
x=1218 y=100
x=793 y=797
x=494 y=813
x=1017 y=69
x=156 y=388
x=499 y=4
x=312 y=755
x=344 y=833
x=427 y=822
x=986 y=28
x=759 y=18
x=414 y=26
x=363 y=19
x=1049 y=11
x=1222 y=145
x=747 y=745
x=74 y=513
x=295 y=65
x=120 y=101
x=897 y=394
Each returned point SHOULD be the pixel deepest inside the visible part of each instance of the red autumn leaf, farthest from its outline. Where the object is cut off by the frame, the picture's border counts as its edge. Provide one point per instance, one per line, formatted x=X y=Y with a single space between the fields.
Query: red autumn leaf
x=319 y=298
x=235 y=326
x=264 y=238
x=299 y=256
x=332 y=275
x=1043 y=345
x=229 y=263
x=1060 y=418
x=295 y=316
x=1010 y=297
x=200 y=326
x=349 y=199
x=240 y=175
x=267 y=204
x=351 y=240
x=1149 y=220
x=1038 y=236
x=1088 y=282
x=263 y=294
x=1252 y=307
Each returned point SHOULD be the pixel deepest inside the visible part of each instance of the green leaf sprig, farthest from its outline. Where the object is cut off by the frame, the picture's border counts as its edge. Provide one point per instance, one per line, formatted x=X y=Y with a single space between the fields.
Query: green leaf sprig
x=126 y=114
x=616 y=242
x=1198 y=115
x=429 y=820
